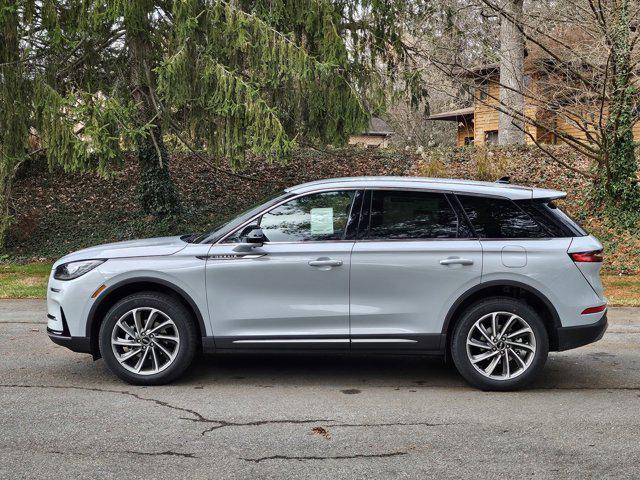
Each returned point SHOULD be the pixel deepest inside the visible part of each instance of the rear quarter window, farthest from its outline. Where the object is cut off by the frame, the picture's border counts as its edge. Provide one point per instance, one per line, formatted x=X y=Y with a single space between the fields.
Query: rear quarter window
x=500 y=218
x=552 y=218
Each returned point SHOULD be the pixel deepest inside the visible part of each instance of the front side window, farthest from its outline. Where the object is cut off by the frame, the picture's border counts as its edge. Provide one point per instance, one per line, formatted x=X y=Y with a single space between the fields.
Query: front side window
x=499 y=218
x=316 y=217
x=400 y=215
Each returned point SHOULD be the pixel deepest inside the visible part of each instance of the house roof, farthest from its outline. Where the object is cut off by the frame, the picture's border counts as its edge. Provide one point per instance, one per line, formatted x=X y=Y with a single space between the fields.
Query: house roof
x=568 y=43
x=377 y=126
x=453 y=115
x=482 y=70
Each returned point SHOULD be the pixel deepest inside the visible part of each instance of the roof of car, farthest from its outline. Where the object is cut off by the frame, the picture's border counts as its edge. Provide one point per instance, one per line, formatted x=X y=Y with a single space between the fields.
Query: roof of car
x=514 y=192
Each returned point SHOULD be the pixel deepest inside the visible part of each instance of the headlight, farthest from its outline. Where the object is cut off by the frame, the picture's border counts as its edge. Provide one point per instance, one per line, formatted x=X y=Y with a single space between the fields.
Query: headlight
x=71 y=270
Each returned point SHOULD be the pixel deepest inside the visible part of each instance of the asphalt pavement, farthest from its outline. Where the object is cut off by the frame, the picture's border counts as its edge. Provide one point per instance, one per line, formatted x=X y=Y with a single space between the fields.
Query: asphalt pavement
x=65 y=416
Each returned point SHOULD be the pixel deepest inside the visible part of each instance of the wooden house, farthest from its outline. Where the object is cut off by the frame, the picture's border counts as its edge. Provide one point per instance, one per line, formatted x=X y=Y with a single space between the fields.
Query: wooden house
x=376 y=136
x=478 y=124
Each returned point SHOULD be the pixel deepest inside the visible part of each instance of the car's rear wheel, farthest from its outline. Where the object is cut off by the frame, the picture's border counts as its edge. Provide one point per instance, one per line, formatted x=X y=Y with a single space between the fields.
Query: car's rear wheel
x=500 y=344
x=148 y=338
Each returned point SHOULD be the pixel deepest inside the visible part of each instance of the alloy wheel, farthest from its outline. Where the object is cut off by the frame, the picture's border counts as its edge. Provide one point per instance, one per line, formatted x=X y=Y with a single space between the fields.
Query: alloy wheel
x=145 y=341
x=501 y=345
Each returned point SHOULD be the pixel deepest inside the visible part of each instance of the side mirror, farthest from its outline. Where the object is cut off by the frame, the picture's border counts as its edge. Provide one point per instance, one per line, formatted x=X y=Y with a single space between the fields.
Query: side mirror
x=251 y=237
x=255 y=236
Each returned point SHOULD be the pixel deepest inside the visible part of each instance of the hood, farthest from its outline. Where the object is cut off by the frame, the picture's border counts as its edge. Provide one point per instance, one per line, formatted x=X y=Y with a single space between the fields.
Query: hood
x=148 y=247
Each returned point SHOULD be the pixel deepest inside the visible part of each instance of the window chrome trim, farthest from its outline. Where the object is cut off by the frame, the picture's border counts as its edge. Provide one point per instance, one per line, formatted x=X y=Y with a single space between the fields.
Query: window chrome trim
x=406 y=240
x=518 y=239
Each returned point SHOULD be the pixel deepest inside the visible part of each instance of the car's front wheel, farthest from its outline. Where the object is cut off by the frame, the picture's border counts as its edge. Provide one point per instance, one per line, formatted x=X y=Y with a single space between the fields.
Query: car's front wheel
x=500 y=344
x=148 y=338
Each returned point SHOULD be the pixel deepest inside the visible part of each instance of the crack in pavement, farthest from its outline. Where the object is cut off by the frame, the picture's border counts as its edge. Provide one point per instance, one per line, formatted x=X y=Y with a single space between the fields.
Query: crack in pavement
x=218 y=423
x=314 y=457
x=394 y=424
x=170 y=453
x=225 y=423
x=198 y=416
x=324 y=421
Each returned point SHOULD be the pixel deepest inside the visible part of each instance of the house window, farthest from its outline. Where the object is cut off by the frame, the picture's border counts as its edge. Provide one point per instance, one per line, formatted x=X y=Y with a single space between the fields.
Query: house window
x=491 y=137
x=468 y=140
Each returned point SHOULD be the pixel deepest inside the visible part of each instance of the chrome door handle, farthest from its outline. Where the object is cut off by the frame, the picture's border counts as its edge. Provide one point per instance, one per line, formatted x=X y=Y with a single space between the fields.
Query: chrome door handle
x=325 y=262
x=456 y=261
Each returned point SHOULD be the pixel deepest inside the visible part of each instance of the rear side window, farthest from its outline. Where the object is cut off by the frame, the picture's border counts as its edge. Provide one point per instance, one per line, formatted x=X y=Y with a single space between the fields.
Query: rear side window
x=400 y=215
x=500 y=218
x=554 y=220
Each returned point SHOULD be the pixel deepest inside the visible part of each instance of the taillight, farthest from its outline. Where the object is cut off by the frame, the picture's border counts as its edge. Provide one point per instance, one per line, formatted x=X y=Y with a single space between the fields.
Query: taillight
x=592 y=256
x=600 y=308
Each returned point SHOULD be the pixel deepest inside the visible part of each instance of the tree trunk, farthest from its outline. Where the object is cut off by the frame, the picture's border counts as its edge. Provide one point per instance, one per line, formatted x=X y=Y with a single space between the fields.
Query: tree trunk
x=510 y=124
x=619 y=177
x=158 y=195
x=15 y=103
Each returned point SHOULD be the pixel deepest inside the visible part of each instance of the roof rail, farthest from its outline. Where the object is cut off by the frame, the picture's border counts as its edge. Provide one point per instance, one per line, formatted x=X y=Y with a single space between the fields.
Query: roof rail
x=504 y=180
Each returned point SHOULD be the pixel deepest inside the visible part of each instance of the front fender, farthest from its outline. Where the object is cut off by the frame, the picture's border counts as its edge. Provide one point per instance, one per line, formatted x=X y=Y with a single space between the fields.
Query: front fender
x=183 y=275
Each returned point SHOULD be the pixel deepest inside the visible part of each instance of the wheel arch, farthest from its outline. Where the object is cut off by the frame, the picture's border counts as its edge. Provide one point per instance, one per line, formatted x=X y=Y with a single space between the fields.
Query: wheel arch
x=509 y=288
x=121 y=289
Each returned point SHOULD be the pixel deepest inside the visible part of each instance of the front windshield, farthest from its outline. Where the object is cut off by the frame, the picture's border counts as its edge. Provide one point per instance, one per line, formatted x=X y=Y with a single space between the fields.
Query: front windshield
x=234 y=220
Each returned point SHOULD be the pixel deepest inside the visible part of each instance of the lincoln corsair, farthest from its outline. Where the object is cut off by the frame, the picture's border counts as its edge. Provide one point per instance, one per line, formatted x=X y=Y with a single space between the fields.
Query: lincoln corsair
x=491 y=276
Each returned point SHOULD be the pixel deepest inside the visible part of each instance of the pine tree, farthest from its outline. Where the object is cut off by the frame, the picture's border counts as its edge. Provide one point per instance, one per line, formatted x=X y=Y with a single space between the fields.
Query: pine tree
x=14 y=111
x=92 y=79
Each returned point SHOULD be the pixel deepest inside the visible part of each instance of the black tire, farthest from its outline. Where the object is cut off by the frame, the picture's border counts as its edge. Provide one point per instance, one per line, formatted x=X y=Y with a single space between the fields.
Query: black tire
x=471 y=316
x=186 y=329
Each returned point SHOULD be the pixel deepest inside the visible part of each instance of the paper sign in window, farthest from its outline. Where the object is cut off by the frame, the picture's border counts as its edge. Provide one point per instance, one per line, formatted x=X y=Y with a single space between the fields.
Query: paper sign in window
x=322 y=221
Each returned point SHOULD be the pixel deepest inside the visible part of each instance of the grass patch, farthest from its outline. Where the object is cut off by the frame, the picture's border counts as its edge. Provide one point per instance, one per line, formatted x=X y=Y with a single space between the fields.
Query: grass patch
x=622 y=290
x=29 y=280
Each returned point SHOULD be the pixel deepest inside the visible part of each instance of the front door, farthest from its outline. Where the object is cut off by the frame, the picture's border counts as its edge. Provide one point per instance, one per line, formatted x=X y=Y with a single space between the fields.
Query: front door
x=293 y=292
x=412 y=260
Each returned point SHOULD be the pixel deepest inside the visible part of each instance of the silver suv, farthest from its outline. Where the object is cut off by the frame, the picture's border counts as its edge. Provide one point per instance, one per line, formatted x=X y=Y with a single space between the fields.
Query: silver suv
x=490 y=275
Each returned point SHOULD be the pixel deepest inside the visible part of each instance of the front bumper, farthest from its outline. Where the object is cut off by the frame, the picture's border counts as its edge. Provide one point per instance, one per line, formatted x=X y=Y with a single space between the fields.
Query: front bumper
x=573 y=337
x=75 y=344
x=58 y=332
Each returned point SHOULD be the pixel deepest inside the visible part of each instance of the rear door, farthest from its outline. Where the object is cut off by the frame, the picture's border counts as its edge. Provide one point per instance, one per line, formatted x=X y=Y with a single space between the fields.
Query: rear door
x=413 y=258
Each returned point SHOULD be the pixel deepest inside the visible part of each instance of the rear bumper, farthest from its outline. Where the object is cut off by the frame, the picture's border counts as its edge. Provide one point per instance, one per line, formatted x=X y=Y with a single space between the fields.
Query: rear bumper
x=573 y=337
x=75 y=344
